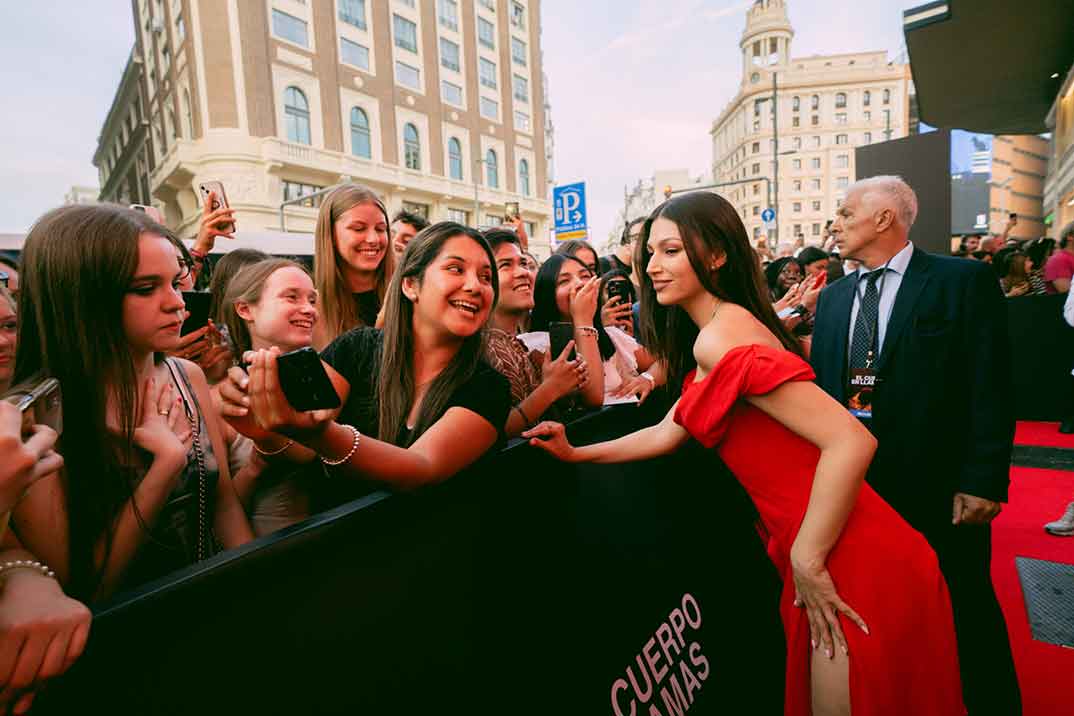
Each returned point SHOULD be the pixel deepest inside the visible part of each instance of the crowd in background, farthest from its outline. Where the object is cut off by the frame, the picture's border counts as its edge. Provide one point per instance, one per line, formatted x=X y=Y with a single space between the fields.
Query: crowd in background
x=180 y=444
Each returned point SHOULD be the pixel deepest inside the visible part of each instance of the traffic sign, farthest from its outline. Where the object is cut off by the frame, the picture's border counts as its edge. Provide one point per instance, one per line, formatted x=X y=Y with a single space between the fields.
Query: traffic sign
x=768 y=215
x=569 y=203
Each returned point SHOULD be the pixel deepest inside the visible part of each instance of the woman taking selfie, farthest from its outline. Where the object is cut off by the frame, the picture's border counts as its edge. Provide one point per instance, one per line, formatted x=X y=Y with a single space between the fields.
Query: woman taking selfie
x=268 y=304
x=408 y=392
x=141 y=492
x=352 y=262
x=861 y=587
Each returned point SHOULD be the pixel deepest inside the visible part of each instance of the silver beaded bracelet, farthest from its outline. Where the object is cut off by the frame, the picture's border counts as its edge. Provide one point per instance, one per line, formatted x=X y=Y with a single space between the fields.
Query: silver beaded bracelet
x=587 y=331
x=26 y=564
x=354 y=448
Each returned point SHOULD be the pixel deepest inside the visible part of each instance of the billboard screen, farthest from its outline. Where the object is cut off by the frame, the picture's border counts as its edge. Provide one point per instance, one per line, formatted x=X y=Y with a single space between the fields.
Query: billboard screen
x=971 y=181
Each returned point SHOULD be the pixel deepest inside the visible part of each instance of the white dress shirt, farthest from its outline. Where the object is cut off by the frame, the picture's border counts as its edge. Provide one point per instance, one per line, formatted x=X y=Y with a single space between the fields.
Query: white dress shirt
x=892 y=279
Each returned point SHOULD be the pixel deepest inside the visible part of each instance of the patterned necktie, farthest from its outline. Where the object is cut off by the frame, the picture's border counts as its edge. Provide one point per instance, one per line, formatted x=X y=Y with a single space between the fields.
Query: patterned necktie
x=864 y=324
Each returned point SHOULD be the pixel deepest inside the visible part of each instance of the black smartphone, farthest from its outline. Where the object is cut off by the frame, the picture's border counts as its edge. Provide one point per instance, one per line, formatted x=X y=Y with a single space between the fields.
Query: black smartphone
x=305 y=382
x=560 y=335
x=197 y=306
x=620 y=290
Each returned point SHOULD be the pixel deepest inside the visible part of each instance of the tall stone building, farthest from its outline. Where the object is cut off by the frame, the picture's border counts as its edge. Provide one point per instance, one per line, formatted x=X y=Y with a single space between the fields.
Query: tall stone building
x=439 y=105
x=825 y=106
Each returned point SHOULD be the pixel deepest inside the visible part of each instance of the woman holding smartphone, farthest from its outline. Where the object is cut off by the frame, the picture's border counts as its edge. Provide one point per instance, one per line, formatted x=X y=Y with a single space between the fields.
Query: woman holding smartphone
x=861 y=587
x=142 y=492
x=408 y=391
x=352 y=262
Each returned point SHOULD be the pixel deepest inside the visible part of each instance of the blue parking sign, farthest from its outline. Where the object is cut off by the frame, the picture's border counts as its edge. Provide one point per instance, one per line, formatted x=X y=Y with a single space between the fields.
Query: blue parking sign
x=569 y=203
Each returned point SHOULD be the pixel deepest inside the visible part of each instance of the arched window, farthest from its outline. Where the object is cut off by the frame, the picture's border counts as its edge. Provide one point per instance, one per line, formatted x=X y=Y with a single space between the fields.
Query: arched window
x=411 y=147
x=492 y=169
x=815 y=101
x=188 y=115
x=296 y=113
x=361 y=146
x=454 y=150
x=887 y=96
x=796 y=103
x=524 y=177
x=840 y=100
x=866 y=98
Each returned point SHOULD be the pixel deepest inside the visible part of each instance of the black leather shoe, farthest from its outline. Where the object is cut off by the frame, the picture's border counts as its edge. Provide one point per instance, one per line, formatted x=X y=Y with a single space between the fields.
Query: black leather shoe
x=1067 y=426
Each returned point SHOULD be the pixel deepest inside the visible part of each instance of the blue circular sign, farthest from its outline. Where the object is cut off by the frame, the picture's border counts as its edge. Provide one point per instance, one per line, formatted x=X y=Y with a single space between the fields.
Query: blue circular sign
x=768 y=214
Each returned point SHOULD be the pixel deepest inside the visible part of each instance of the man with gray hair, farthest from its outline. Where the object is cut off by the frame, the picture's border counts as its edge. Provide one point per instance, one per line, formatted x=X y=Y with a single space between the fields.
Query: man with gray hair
x=915 y=345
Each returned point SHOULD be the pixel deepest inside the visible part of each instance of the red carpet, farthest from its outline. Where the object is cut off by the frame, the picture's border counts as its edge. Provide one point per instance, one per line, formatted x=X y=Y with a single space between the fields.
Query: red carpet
x=1036 y=496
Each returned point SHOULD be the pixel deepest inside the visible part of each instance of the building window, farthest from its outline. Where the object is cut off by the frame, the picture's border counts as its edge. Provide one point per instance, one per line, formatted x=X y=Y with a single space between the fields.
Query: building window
x=522 y=89
x=755 y=148
x=814 y=184
x=814 y=101
x=451 y=93
x=756 y=189
x=841 y=161
x=518 y=51
x=455 y=158
x=406 y=33
x=868 y=138
x=352 y=12
x=797 y=184
x=411 y=147
x=794 y=122
x=459 y=216
x=815 y=162
x=448 y=13
x=887 y=96
x=518 y=15
x=797 y=207
x=188 y=115
x=757 y=107
x=866 y=98
x=492 y=169
x=290 y=28
x=361 y=146
x=797 y=142
x=413 y=207
x=815 y=121
x=796 y=163
x=524 y=177
x=490 y=108
x=449 y=54
x=757 y=232
x=816 y=227
x=522 y=121
x=296 y=190
x=486 y=33
x=796 y=103
x=816 y=141
x=489 y=5
x=756 y=167
x=840 y=117
x=180 y=29
x=756 y=125
x=797 y=230
x=296 y=112
x=840 y=139
x=842 y=182
x=840 y=100
x=407 y=76
x=487 y=72
x=755 y=78
x=756 y=210
x=867 y=116
x=351 y=53
x=816 y=206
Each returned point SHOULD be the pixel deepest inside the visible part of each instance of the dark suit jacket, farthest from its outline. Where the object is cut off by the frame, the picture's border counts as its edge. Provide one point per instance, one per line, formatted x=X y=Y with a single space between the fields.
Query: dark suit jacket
x=942 y=409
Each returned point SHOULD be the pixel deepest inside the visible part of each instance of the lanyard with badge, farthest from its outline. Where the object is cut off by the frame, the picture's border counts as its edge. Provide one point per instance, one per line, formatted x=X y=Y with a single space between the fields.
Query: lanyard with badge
x=862 y=381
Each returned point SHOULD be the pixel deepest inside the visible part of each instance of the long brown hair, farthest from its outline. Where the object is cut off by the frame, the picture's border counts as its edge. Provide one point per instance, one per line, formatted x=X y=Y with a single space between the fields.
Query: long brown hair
x=710 y=228
x=77 y=268
x=397 y=387
x=223 y=271
x=338 y=312
x=246 y=286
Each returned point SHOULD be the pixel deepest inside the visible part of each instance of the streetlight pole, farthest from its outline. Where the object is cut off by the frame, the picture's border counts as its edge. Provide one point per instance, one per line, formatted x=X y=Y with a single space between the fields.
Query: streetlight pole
x=477 y=204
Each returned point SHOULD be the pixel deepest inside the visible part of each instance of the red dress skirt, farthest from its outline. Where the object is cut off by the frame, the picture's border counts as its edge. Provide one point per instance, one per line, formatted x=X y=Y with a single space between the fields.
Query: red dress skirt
x=882 y=567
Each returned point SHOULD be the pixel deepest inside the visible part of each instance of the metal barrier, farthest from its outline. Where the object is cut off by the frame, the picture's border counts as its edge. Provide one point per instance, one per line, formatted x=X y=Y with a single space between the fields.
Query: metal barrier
x=521 y=586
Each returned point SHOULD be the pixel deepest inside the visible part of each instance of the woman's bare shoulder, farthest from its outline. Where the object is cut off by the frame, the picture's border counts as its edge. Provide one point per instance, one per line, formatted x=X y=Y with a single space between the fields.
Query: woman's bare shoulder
x=733 y=326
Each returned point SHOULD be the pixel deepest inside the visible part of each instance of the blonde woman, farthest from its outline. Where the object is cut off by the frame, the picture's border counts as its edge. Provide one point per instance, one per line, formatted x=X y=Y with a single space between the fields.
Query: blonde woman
x=352 y=261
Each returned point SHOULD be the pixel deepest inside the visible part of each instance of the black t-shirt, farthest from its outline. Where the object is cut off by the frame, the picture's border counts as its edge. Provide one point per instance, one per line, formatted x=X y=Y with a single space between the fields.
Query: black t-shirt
x=367 y=305
x=356 y=356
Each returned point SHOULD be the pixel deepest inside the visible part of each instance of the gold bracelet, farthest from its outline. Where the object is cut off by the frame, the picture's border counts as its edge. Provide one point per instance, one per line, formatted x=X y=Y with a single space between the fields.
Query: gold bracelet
x=286 y=445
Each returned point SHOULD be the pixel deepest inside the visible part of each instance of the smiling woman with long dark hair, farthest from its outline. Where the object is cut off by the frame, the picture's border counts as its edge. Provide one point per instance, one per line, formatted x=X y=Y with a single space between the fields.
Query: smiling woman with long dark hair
x=408 y=392
x=860 y=584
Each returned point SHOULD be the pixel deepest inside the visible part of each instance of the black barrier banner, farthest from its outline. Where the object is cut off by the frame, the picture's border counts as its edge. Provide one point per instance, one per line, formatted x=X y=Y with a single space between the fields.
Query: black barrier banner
x=524 y=586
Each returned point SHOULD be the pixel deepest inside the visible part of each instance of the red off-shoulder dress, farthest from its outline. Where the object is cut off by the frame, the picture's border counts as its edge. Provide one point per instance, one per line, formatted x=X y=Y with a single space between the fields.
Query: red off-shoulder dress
x=881 y=567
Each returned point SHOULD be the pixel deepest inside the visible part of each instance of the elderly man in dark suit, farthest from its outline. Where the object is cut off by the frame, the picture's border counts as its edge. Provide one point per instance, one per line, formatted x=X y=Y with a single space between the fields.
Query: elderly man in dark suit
x=916 y=346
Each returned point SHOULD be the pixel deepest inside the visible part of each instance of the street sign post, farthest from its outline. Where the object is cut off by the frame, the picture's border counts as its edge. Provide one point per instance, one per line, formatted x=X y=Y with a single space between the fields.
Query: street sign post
x=570 y=212
x=768 y=216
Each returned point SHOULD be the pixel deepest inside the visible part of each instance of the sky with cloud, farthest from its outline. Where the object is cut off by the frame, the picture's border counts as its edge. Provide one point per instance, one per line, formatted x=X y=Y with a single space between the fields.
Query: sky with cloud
x=634 y=86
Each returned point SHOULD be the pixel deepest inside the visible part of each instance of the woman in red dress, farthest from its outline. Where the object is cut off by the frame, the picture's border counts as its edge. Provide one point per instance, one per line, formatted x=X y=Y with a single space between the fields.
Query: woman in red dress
x=865 y=609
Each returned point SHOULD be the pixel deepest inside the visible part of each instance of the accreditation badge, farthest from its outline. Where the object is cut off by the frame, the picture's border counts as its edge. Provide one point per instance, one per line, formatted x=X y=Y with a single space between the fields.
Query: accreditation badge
x=860 y=392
